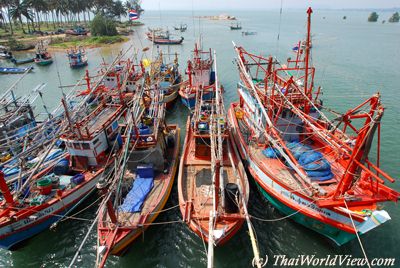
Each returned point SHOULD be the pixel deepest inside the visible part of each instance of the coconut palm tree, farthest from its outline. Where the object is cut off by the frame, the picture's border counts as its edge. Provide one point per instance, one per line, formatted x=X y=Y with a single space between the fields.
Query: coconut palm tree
x=19 y=9
x=117 y=10
x=38 y=6
x=5 y=8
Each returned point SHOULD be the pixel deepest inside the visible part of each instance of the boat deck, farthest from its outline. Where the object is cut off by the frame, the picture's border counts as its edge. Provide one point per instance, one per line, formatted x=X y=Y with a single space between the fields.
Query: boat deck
x=156 y=193
x=287 y=176
x=197 y=181
x=99 y=120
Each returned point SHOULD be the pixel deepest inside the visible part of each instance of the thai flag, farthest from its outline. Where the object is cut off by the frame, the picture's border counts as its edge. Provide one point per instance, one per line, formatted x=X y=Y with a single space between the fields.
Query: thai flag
x=133 y=15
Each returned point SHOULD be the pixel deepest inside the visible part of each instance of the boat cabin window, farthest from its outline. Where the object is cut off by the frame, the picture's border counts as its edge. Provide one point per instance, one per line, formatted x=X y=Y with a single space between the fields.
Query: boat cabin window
x=95 y=141
x=85 y=146
x=77 y=146
x=109 y=130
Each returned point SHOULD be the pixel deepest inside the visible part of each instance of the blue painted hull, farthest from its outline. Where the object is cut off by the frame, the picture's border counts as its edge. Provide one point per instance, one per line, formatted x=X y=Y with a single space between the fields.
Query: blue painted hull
x=20 y=236
x=191 y=102
x=78 y=65
x=11 y=240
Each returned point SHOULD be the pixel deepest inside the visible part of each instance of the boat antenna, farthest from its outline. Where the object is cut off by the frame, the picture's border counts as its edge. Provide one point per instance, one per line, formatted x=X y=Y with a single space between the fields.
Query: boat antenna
x=194 y=24
x=39 y=90
x=59 y=78
x=279 y=29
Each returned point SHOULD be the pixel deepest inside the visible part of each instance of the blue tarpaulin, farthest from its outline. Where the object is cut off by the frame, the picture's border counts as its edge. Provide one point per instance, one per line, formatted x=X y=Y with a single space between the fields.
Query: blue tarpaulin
x=313 y=162
x=137 y=195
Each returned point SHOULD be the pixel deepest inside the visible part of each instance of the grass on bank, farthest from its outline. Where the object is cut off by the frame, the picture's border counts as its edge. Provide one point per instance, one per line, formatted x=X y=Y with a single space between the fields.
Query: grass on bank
x=44 y=27
x=60 y=42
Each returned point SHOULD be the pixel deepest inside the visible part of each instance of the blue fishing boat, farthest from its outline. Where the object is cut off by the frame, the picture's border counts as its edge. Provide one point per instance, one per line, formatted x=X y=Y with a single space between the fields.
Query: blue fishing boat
x=23 y=61
x=77 y=57
x=201 y=78
x=14 y=70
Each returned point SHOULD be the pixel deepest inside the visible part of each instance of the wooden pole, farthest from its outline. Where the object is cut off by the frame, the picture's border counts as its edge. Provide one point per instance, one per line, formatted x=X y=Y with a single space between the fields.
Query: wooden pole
x=210 y=253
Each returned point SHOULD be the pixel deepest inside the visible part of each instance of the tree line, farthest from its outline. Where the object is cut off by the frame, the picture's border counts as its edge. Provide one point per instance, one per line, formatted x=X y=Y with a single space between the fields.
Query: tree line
x=58 y=12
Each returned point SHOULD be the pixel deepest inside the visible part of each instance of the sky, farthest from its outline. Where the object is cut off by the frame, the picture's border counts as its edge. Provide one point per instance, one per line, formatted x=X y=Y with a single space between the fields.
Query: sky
x=265 y=4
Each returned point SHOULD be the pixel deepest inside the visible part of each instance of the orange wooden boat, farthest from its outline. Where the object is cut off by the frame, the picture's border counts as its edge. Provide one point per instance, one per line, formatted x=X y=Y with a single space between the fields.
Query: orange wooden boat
x=317 y=171
x=212 y=183
x=143 y=182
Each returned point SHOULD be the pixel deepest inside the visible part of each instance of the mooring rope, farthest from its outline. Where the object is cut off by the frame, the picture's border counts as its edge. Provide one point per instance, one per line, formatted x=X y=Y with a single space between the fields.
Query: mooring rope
x=358 y=237
x=282 y=218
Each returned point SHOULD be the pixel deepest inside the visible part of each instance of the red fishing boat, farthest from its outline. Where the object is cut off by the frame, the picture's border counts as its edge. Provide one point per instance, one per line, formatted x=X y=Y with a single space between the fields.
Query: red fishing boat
x=143 y=182
x=200 y=74
x=125 y=75
x=160 y=37
x=312 y=168
x=47 y=196
x=212 y=183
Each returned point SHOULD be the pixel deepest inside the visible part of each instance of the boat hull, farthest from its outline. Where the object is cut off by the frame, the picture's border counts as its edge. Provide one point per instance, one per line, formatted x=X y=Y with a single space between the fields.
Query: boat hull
x=7 y=70
x=340 y=237
x=44 y=62
x=167 y=41
x=26 y=227
x=121 y=246
x=189 y=100
x=78 y=65
x=228 y=224
x=331 y=223
x=126 y=236
x=169 y=99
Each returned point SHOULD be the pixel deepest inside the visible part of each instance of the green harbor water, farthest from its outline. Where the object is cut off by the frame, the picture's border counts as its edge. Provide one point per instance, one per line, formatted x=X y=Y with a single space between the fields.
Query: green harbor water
x=353 y=58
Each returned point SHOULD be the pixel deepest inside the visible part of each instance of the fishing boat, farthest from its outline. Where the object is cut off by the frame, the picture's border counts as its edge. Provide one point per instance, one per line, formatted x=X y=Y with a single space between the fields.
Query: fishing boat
x=24 y=133
x=42 y=57
x=6 y=54
x=157 y=33
x=237 y=26
x=200 y=75
x=168 y=41
x=17 y=119
x=212 y=183
x=45 y=197
x=77 y=31
x=77 y=57
x=167 y=77
x=316 y=170
x=14 y=70
x=182 y=27
x=249 y=33
x=143 y=182
x=125 y=75
x=22 y=61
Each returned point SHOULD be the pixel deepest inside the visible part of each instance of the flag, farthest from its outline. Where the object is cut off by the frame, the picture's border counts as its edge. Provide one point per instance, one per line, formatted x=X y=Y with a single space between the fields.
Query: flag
x=146 y=63
x=133 y=15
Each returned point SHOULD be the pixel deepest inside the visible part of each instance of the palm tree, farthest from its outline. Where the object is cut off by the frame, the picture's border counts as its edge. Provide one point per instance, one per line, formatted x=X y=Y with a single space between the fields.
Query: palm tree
x=38 y=6
x=5 y=7
x=18 y=10
x=117 y=10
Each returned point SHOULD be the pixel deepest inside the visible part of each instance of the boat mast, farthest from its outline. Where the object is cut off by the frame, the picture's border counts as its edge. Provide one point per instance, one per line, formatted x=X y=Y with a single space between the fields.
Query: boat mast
x=220 y=112
x=362 y=145
x=307 y=91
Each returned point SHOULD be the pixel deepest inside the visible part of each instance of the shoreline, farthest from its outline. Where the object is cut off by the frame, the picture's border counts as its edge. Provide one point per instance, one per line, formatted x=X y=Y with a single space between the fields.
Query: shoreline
x=88 y=42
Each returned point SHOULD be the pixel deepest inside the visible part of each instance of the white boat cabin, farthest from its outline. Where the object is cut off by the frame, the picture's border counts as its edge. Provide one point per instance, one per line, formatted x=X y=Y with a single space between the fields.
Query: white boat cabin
x=96 y=135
